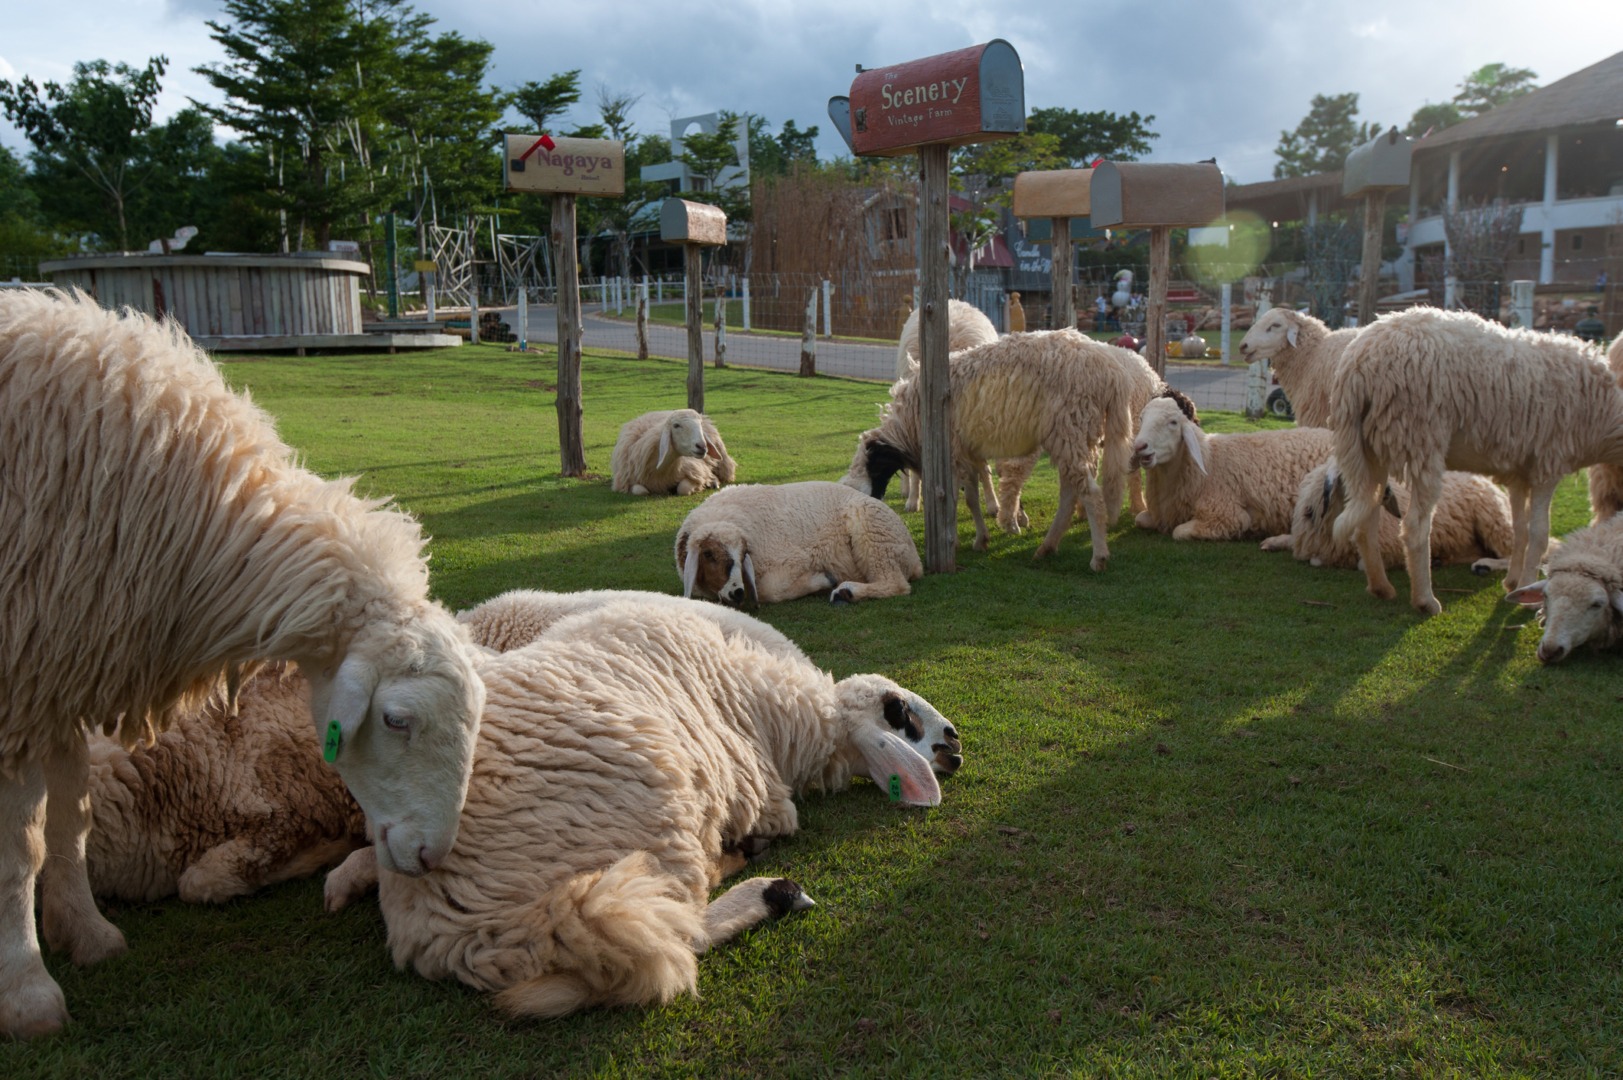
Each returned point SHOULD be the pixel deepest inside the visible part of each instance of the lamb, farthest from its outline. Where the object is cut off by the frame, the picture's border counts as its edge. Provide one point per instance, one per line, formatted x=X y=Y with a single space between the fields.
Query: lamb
x=764 y=543
x=1056 y=390
x=1425 y=390
x=1304 y=353
x=157 y=539
x=629 y=760
x=1220 y=487
x=1606 y=481
x=676 y=452
x=1583 y=595
x=1472 y=525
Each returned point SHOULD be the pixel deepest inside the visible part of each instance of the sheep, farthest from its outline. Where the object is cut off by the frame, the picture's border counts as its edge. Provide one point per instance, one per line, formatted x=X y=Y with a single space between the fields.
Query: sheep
x=157 y=538
x=629 y=760
x=1473 y=522
x=1606 y=481
x=1219 y=487
x=1056 y=390
x=1425 y=390
x=764 y=543
x=1304 y=353
x=676 y=452
x=1582 y=597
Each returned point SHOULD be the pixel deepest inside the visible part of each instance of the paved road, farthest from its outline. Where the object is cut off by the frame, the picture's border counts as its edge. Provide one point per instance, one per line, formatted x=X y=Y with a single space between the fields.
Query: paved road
x=1211 y=386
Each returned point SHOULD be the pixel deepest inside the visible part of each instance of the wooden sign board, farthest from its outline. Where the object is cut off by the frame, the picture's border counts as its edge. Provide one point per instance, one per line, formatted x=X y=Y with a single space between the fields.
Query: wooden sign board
x=1381 y=164
x=1139 y=195
x=1054 y=193
x=971 y=95
x=571 y=167
x=684 y=222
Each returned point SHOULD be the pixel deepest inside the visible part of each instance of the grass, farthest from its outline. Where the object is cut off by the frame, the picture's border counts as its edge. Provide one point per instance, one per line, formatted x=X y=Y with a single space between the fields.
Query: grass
x=1221 y=814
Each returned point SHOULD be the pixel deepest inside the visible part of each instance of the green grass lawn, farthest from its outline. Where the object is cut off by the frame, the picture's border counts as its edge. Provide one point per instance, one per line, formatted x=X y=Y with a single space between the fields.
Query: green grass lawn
x=1221 y=814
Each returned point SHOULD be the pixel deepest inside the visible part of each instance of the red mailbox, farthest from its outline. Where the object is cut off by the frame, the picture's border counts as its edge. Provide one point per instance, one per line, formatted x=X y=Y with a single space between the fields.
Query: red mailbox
x=971 y=95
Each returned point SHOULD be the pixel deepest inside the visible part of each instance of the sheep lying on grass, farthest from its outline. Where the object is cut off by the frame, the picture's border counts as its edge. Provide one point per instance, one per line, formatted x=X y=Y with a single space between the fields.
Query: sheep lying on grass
x=1472 y=524
x=669 y=453
x=157 y=537
x=1583 y=596
x=1606 y=481
x=1426 y=390
x=1219 y=487
x=629 y=760
x=760 y=543
x=1304 y=354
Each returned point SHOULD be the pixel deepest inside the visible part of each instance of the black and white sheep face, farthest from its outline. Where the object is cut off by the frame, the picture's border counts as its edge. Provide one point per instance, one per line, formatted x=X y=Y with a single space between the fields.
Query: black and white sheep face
x=1270 y=335
x=406 y=700
x=683 y=435
x=715 y=561
x=1577 y=610
x=899 y=738
x=1164 y=432
x=875 y=462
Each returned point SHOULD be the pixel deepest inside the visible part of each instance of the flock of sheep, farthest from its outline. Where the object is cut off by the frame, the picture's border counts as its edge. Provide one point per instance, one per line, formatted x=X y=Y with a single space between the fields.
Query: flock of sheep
x=545 y=789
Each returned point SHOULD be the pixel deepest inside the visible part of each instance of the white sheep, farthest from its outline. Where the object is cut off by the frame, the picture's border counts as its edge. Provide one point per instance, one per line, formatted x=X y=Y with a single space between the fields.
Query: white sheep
x=1056 y=391
x=761 y=543
x=157 y=537
x=1472 y=523
x=1582 y=597
x=1304 y=354
x=629 y=760
x=676 y=452
x=1426 y=390
x=1606 y=481
x=1219 y=487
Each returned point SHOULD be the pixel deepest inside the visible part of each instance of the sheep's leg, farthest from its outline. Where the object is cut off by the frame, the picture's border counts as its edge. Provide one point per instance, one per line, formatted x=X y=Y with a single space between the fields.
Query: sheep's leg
x=911 y=489
x=1538 y=536
x=1013 y=473
x=1099 y=522
x=1135 y=492
x=1369 y=553
x=30 y=1001
x=234 y=868
x=1521 y=494
x=1062 y=520
x=1215 y=521
x=972 y=495
x=882 y=586
x=1425 y=488
x=988 y=493
x=69 y=918
x=351 y=879
x=1282 y=542
x=747 y=904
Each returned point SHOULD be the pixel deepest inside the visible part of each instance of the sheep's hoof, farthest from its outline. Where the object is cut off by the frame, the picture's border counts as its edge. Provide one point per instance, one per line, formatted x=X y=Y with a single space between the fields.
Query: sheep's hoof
x=31 y=1004
x=979 y=544
x=749 y=848
x=783 y=896
x=1099 y=562
x=1383 y=592
x=1043 y=550
x=841 y=596
x=1428 y=606
x=87 y=939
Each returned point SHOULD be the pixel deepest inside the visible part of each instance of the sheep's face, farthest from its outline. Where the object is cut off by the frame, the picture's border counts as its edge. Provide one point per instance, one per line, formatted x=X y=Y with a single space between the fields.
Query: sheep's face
x=1577 y=610
x=874 y=463
x=1270 y=335
x=895 y=733
x=682 y=436
x=714 y=560
x=407 y=700
x=1163 y=433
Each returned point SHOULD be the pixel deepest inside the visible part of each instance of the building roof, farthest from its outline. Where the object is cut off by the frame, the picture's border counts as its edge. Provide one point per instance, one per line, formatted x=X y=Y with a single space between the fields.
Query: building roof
x=1583 y=99
x=1287 y=199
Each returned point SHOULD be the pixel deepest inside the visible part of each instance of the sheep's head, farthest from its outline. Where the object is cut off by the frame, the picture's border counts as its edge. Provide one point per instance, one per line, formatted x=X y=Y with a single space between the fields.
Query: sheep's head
x=1579 y=607
x=714 y=560
x=1166 y=429
x=406 y=699
x=1277 y=330
x=892 y=732
x=874 y=463
x=682 y=435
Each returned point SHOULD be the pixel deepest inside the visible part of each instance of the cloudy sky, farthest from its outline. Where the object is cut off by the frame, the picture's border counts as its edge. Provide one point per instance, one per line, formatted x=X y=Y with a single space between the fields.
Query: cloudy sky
x=1222 y=77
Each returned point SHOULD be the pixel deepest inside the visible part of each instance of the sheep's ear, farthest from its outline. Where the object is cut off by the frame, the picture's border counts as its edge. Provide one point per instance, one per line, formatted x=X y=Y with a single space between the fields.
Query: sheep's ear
x=1291 y=333
x=690 y=570
x=664 y=446
x=1191 y=443
x=351 y=696
x=1529 y=595
x=885 y=754
x=749 y=580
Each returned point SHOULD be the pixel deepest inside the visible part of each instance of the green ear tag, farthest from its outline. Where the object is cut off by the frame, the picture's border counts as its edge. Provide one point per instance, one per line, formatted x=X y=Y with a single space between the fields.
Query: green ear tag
x=895 y=788
x=329 y=749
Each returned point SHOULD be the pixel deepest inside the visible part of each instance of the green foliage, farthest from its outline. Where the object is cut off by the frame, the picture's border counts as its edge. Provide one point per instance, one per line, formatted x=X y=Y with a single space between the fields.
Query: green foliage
x=1490 y=86
x=776 y=155
x=983 y=173
x=1432 y=117
x=707 y=155
x=1086 y=136
x=540 y=102
x=1323 y=139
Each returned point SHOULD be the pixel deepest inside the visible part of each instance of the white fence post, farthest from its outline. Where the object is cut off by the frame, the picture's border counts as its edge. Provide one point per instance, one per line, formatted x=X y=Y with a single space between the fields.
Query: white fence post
x=1256 y=380
x=828 y=308
x=721 y=328
x=808 y=340
x=473 y=315
x=524 y=320
x=746 y=316
x=1228 y=320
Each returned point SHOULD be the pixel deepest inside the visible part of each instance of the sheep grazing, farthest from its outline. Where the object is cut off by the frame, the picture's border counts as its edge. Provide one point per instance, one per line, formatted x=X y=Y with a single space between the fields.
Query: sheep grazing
x=1426 y=390
x=157 y=538
x=1219 y=487
x=220 y=805
x=1056 y=391
x=629 y=760
x=1304 y=353
x=669 y=453
x=1606 y=481
x=760 y=543
x=1472 y=524
x=1583 y=596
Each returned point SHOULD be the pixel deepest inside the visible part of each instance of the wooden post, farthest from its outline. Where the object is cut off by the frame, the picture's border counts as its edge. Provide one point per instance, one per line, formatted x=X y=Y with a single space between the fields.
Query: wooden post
x=692 y=263
x=808 y=338
x=642 y=323
x=721 y=327
x=571 y=444
x=1370 y=275
x=940 y=495
x=1155 y=310
x=1063 y=304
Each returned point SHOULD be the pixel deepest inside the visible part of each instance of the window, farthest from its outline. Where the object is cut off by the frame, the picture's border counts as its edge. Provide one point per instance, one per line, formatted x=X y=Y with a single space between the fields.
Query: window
x=1578 y=242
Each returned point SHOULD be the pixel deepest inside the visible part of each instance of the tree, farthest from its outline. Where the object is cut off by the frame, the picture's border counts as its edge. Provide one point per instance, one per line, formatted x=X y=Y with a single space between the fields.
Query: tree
x=707 y=155
x=1490 y=86
x=776 y=155
x=1323 y=139
x=539 y=102
x=93 y=128
x=983 y=173
x=1431 y=117
x=1084 y=137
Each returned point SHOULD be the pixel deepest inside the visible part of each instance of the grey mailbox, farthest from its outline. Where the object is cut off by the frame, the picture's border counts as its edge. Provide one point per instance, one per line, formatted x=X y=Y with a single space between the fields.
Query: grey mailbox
x=684 y=222
x=1381 y=163
x=1138 y=194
